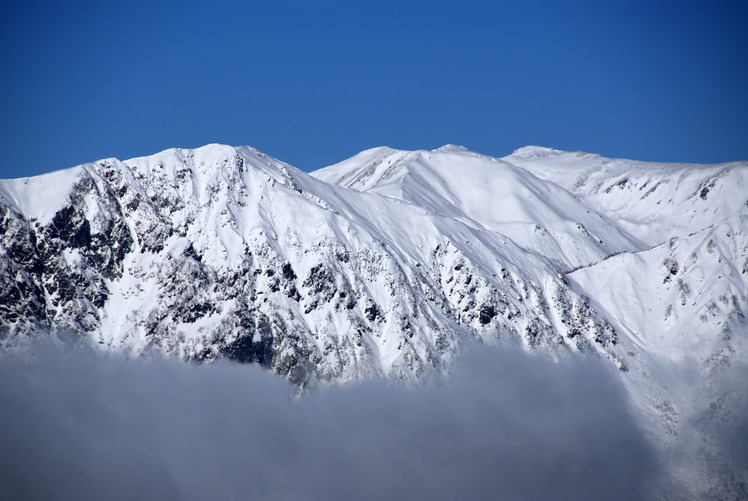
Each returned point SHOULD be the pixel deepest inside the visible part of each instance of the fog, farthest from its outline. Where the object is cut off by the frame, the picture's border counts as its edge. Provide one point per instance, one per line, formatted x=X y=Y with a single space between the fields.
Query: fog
x=505 y=425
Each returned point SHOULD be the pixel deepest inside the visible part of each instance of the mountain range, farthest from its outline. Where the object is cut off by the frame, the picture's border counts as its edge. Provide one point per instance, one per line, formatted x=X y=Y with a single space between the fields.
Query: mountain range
x=389 y=263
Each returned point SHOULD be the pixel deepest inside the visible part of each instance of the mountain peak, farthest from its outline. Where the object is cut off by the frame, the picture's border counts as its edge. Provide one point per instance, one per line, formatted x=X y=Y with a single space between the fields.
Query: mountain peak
x=452 y=148
x=536 y=152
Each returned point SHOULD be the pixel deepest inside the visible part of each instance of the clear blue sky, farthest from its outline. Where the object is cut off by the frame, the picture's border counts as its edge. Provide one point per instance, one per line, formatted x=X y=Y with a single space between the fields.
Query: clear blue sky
x=312 y=83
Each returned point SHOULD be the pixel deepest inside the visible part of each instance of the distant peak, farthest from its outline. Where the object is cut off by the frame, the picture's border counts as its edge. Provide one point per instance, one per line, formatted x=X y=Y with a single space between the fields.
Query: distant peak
x=535 y=152
x=530 y=152
x=208 y=149
x=450 y=148
x=379 y=149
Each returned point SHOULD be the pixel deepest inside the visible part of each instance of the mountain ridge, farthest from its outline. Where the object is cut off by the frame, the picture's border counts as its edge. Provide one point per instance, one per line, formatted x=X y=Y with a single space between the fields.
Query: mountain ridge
x=146 y=201
x=389 y=263
x=567 y=226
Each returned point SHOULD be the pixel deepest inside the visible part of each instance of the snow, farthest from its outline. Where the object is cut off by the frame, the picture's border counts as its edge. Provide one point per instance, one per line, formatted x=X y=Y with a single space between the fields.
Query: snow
x=651 y=201
x=487 y=194
x=397 y=258
x=689 y=281
x=40 y=197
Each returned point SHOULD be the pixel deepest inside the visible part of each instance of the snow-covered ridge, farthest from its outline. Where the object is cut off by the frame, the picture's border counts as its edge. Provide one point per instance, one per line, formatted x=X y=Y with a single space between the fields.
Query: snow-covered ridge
x=519 y=222
x=489 y=194
x=387 y=263
x=652 y=201
x=173 y=250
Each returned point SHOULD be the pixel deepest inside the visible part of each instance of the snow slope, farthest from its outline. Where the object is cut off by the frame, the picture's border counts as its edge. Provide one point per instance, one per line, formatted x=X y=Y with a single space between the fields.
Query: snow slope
x=652 y=201
x=488 y=194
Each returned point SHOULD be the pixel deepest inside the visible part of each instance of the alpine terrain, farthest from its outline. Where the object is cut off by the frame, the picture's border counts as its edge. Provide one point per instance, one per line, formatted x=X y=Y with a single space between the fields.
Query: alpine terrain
x=390 y=262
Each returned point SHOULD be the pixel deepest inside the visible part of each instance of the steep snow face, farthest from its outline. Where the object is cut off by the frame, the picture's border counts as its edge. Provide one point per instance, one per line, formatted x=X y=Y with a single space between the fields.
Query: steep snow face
x=652 y=201
x=40 y=197
x=490 y=195
x=698 y=282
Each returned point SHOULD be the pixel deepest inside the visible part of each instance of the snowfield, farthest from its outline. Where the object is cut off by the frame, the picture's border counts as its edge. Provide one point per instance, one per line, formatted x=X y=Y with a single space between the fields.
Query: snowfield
x=389 y=263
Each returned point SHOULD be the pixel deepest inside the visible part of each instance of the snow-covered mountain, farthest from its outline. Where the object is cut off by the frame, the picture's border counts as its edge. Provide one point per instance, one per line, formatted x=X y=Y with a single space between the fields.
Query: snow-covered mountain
x=224 y=251
x=387 y=263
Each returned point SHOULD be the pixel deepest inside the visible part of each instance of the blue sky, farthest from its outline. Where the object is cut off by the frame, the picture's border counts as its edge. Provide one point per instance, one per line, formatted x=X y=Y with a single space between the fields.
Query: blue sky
x=313 y=83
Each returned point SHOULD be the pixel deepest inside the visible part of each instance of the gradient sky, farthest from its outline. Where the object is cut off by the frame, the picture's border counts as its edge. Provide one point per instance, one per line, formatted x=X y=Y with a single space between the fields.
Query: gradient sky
x=312 y=83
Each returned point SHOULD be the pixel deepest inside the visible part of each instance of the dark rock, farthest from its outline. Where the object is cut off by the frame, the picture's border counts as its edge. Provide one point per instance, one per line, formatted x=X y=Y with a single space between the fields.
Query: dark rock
x=487 y=313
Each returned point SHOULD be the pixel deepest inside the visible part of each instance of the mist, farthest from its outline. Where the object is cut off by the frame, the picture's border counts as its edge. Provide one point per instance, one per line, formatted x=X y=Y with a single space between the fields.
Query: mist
x=505 y=425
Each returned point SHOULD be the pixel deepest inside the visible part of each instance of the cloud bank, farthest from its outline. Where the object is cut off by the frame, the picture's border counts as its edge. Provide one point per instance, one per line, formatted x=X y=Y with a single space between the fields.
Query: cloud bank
x=506 y=425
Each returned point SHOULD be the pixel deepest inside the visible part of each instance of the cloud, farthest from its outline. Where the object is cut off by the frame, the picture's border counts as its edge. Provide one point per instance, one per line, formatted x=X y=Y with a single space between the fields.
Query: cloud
x=506 y=425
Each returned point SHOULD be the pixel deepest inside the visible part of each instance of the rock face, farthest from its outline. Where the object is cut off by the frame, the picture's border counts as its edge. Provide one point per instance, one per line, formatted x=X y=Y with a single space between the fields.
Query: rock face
x=385 y=264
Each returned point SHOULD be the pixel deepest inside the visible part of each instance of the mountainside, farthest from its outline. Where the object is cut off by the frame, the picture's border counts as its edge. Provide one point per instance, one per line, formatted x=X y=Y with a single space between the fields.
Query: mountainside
x=226 y=252
x=387 y=263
